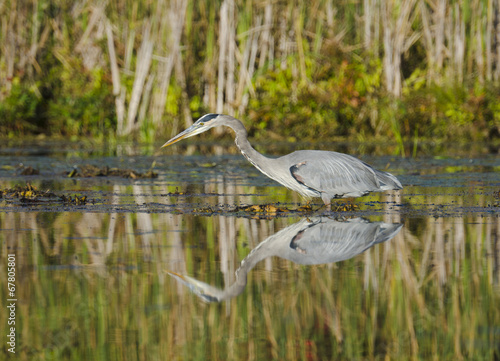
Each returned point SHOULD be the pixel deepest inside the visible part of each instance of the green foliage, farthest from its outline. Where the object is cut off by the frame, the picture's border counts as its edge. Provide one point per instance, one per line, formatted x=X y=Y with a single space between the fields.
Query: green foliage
x=18 y=110
x=492 y=110
x=68 y=101
x=173 y=100
x=80 y=103
x=451 y=112
x=196 y=107
x=332 y=103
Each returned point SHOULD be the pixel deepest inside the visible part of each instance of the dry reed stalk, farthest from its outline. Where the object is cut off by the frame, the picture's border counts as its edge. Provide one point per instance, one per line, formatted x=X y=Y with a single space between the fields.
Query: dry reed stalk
x=226 y=63
x=181 y=80
x=146 y=96
x=30 y=54
x=371 y=25
x=440 y=18
x=223 y=30
x=231 y=46
x=459 y=42
x=330 y=13
x=478 y=41
x=266 y=38
x=244 y=77
x=397 y=38
x=248 y=65
x=119 y=90
x=488 y=39
x=368 y=17
x=172 y=22
x=283 y=41
x=143 y=64
x=433 y=17
x=115 y=77
x=9 y=18
x=86 y=46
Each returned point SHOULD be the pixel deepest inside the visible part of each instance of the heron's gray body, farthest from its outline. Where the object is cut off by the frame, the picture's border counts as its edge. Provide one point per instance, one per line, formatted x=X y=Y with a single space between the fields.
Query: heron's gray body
x=311 y=173
x=324 y=174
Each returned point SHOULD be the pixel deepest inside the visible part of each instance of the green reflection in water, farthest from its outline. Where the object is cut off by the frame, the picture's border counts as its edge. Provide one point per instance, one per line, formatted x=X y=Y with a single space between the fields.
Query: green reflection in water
x=95 y=286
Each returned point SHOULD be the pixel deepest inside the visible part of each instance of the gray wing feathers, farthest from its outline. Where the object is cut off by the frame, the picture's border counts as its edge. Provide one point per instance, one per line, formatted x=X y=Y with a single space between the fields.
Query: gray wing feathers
x=340 y=175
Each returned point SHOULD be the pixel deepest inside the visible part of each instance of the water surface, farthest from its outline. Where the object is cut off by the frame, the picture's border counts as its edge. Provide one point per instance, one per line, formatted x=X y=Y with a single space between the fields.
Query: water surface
x=152 y=268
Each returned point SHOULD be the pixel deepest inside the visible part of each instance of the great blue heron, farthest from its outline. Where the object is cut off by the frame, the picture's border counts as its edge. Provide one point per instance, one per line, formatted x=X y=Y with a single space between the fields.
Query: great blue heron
x=312 y=173
x=311 y=241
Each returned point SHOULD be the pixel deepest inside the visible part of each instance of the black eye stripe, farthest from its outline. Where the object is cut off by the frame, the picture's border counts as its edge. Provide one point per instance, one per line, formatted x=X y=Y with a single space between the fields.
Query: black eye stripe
x=208 y=117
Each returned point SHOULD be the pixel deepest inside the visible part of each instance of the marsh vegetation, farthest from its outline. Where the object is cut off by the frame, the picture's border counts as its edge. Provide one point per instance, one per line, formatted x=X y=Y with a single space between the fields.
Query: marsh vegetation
x=395 y=70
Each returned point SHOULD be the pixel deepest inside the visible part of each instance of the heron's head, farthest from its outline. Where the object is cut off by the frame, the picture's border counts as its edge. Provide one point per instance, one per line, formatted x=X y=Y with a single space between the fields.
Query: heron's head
x=201 y=125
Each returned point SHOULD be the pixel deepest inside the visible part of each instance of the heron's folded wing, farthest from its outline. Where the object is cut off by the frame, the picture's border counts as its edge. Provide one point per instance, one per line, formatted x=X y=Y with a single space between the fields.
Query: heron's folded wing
x=335 y=173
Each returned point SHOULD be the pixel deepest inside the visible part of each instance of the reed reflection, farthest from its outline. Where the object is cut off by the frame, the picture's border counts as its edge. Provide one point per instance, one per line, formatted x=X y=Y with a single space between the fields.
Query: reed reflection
x=311 y=241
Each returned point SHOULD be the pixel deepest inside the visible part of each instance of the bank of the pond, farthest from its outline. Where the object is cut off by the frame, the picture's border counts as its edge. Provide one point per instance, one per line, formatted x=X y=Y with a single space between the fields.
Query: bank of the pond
x=210 y=143
x=282 y=113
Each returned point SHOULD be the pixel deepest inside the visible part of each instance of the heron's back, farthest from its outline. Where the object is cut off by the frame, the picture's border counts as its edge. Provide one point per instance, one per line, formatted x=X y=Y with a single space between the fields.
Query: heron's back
x=336 y=175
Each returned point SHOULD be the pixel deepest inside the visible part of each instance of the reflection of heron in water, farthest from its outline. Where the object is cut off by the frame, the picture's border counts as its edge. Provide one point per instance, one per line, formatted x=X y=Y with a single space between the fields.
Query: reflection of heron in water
x=310 y=241
x=312 y=173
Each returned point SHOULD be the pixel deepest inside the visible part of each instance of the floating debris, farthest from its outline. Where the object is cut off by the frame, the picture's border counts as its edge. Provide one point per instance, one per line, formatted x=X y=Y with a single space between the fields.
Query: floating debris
x=264 y=208
x=176 y=192
x=30 y=194
x=496 y=201
x=268 y=211
x=77 y=200
x=89 y=170
x=345 y=207
x=207 y=210
x=27 y=192
x=305 y=208
x=256 y=211
x=30 y=171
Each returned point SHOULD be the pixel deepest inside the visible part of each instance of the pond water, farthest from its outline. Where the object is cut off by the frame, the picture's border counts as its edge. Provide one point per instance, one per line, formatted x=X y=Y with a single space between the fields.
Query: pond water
x=169 y=268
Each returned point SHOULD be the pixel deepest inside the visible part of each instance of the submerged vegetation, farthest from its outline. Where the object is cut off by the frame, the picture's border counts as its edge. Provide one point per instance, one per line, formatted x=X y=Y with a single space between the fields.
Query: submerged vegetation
x=89 y=170
x=401 y=69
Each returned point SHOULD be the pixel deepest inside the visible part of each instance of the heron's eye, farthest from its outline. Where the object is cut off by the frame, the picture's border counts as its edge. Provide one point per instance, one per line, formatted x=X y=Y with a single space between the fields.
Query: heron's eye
x=202 y=123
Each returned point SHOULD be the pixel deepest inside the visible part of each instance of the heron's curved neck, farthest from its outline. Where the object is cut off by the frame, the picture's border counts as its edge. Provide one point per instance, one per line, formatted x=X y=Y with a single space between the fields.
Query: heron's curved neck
x=241 y=140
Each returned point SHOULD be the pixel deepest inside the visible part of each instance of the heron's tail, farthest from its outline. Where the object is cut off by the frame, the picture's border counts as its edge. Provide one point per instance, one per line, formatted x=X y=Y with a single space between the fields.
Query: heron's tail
x=388 y=181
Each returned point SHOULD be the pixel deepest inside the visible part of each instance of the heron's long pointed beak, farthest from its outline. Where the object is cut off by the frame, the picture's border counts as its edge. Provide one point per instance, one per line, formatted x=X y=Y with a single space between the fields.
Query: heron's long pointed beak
x=189 y=132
